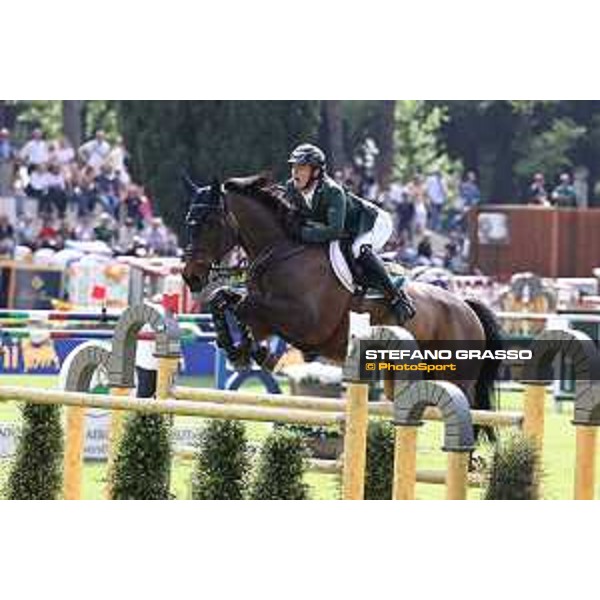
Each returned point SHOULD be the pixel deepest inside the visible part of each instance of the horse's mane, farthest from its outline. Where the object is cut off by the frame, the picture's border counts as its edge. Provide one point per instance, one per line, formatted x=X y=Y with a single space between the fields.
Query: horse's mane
x=262 y=188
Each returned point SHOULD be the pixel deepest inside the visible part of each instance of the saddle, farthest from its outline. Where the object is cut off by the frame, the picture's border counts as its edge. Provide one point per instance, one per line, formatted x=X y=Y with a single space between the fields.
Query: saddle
x=357 y=272
x=351 y=276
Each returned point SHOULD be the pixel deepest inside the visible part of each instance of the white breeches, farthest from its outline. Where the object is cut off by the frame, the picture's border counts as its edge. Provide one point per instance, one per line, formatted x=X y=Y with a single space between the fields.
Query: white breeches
x=377 y=236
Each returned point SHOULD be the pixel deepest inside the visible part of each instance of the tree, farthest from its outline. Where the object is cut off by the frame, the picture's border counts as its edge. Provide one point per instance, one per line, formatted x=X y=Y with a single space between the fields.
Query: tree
x=72 y=111
x=100 y=114
x=8 y=113
x=507 y=141
x=373 y=119
x=46 y=114
x=333 y=134
x=418 y=146
x=549 y=151
x=210 y=139
x=385 y=165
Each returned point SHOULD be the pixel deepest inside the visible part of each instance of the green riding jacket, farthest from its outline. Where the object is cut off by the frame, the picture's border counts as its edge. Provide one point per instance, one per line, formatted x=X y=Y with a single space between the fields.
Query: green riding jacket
x=335 y=214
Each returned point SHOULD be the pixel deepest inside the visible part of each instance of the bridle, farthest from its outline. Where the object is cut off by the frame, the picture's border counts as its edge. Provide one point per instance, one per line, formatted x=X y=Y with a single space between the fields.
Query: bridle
x=199 y=212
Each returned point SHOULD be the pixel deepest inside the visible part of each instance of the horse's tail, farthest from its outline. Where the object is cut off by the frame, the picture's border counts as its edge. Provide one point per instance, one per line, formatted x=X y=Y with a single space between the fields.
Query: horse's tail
x=484 y=388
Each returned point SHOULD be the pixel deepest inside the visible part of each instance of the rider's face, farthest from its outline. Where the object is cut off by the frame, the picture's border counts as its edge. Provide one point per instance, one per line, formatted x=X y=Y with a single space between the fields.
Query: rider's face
x=301 y=174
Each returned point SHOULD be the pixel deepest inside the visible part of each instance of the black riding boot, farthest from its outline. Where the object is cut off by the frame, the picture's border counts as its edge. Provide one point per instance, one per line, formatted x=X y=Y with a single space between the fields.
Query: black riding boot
x=376 y=275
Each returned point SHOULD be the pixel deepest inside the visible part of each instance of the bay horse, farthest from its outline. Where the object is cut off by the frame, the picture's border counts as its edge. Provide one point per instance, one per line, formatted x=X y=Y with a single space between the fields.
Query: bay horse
x=292 y=291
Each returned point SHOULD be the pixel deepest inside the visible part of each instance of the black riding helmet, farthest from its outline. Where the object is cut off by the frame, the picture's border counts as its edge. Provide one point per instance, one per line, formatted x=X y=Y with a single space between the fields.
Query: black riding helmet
x=307 y=154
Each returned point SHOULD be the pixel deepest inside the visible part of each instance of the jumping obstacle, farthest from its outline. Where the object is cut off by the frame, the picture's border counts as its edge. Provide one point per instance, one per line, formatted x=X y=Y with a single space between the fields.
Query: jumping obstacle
x=420 y=401
x=586 y=359
x=119 y=365
x=96 y=334
x=12 y=315
x=546 y=346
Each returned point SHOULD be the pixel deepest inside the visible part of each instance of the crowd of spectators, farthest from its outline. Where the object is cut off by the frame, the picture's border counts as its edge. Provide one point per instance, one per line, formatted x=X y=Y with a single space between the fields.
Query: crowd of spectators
x=52 y=193
x=562 y=195
x=423 y=207
x=433 y=206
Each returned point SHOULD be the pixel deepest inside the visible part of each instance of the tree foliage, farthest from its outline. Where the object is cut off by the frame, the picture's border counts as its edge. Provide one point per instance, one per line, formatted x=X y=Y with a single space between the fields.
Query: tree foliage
x=142 y=467
x=515 y=472
x=507 y=141
x=504 y=141
x=282 y=464
x=46 y=114
x=418 y=144
x=210 y=139
x=222 y=463
x=36 y=472
x=549 y=151
x=379 y=477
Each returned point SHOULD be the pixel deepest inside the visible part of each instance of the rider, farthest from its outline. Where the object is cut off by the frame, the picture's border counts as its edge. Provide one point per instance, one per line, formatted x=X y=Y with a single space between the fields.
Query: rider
x=330 y=213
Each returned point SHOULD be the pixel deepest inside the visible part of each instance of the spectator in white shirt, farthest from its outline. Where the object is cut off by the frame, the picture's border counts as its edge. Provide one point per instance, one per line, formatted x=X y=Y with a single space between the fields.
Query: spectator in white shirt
x=65 y=153
x=38 y=184
x=35 y=151
x=117 y=158
x=95 y=152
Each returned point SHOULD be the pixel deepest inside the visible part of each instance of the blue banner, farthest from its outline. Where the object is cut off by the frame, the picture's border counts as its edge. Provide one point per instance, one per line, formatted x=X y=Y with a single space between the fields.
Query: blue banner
x=25 y=357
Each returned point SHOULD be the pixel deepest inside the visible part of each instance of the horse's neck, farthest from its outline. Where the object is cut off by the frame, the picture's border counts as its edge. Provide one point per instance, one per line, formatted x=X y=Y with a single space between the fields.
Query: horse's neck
x=259 y=228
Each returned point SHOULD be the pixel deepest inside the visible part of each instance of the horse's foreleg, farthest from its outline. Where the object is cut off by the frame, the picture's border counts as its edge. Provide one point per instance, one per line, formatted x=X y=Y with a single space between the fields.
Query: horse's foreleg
x=221 y=304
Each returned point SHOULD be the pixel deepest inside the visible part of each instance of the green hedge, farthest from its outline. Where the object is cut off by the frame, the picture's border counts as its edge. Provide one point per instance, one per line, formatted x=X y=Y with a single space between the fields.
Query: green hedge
x=142 y=466
x=36 y=472
x=281 y=467
x=222 y=464
x=379 y=476
x=515 y=470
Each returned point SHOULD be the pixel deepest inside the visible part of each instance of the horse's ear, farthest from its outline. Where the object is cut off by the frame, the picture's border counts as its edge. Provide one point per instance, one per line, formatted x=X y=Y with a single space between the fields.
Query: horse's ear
x=189 y=185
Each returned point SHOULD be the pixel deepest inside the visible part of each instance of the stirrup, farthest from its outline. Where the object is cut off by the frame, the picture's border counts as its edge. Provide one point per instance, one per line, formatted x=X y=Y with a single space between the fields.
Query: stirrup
x=403 y=309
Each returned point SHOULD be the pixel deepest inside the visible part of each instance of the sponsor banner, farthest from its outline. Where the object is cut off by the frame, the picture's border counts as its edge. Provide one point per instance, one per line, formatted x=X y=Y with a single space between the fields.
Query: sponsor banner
x=26 y=357
x=96 y=436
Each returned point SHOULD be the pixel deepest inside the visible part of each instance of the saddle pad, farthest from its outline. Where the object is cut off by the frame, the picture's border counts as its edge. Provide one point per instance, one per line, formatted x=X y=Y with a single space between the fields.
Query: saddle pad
x=340 y=267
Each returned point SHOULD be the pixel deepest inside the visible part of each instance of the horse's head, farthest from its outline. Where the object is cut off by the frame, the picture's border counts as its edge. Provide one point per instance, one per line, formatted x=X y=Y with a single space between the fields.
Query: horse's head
x=210 y=234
